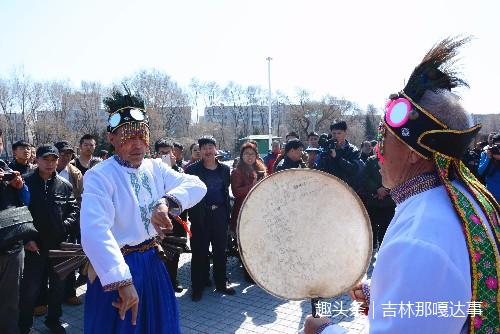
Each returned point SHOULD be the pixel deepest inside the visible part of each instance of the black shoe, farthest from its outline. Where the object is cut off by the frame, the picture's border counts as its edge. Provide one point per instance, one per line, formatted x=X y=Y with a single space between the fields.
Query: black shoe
x=178 y=288
x=55 y=327
x=196 y=296
x=227 y=290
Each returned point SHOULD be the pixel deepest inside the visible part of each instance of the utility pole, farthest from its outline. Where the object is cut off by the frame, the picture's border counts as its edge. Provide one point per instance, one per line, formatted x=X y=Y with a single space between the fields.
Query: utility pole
x=270 y=102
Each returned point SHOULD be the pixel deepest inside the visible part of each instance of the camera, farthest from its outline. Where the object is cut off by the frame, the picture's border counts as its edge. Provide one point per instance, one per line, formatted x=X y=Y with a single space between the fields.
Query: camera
x=495 y=149
x=326 y=144
x=7 y=177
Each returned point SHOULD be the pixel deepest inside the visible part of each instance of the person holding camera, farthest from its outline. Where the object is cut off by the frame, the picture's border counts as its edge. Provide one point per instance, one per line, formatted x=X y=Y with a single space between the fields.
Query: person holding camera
x=341 y=158
x=489 y=167
x=11 y=253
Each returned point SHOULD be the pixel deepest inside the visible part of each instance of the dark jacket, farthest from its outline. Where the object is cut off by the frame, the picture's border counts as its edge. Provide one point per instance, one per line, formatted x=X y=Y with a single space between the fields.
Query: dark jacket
x=92 y=162
x=197 y=212
x=9 y=198
x=347 y=164
x=287 y=163
x=54 y=209
x=23 y=169
x=372 y=180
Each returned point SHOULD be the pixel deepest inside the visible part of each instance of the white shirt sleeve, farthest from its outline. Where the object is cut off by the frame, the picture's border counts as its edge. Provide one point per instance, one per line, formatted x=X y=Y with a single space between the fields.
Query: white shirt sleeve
x=187 y=189
x=414 y=271
x=96 y=219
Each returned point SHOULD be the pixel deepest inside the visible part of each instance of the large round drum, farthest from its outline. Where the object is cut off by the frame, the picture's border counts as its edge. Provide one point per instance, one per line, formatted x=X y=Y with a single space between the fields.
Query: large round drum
x=304 y=234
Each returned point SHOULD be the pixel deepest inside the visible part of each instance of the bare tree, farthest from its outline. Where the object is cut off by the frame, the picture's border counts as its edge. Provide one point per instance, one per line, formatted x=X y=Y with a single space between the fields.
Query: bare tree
x=165 y=96
x=232 y=96
x=89 y=115
x=58 y=103
x=213 y=99
x=28 y=98
x=7 y=104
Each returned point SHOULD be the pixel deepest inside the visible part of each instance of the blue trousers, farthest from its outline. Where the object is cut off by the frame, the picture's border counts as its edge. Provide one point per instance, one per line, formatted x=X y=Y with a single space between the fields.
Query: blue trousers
x=158 y=309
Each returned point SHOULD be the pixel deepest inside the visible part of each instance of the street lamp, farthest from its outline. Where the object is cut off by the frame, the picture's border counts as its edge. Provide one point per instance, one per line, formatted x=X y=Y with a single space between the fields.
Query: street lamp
x=270 y=102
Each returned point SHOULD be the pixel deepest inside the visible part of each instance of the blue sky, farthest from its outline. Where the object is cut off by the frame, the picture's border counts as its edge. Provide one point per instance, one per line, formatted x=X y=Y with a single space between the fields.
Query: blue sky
x=360 y=50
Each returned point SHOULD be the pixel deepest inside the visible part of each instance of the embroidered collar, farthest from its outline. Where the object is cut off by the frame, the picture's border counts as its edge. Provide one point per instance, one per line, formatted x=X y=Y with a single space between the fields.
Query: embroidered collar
x=124 y=163
x=414 y=186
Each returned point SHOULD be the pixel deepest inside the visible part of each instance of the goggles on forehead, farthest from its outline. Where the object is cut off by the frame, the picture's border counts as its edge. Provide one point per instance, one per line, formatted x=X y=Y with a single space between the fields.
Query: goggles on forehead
x=126 y=115
x=421 y=131
x=398 y=112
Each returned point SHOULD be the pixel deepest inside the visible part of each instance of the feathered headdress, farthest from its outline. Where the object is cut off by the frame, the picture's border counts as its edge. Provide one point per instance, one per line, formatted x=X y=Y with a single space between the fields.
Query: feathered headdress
x=436 y=71
x=429 y=137
x=415 y=126
x=127 y=111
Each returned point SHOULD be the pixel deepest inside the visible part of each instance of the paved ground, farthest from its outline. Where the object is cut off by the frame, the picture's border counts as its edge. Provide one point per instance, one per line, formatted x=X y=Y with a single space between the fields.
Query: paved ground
x=251 y=310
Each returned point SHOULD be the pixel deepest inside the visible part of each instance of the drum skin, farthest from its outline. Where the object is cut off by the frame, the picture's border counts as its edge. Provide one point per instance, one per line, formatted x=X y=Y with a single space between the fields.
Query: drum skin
x=304 y=234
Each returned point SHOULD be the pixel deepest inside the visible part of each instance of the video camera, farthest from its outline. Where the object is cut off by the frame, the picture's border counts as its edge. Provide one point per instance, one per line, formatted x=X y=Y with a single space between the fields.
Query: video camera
x=8 y=176
x=495 y=149
x=326 y=143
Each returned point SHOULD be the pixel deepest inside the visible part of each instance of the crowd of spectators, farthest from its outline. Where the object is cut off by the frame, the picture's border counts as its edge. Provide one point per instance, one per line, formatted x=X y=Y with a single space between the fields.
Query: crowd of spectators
x=48 y=181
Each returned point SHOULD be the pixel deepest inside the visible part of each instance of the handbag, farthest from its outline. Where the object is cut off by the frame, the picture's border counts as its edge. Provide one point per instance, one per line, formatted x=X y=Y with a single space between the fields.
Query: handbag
x=16 y=224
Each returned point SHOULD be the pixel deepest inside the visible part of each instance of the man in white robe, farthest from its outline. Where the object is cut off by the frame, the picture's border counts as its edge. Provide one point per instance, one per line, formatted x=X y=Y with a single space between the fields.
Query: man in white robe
x=431 y=275
x=126 y=203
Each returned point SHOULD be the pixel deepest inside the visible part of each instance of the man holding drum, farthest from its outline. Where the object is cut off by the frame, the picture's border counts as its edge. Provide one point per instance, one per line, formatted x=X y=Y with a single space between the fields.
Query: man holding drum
x=441 y=248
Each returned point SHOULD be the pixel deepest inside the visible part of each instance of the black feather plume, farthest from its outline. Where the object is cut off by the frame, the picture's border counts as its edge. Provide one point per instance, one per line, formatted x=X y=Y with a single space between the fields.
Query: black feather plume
x=436 y=70
x=117 y=100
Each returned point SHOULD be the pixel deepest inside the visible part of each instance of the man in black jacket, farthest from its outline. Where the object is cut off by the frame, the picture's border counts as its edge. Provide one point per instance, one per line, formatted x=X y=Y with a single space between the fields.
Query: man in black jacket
x=344 y=160
x=12 y=255
x=209 y=221
x=55 y=211
x=22 y=155
x=293 y=155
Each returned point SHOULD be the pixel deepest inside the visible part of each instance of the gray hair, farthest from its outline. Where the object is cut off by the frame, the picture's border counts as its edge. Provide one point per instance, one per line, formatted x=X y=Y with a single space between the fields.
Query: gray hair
x=447 y=108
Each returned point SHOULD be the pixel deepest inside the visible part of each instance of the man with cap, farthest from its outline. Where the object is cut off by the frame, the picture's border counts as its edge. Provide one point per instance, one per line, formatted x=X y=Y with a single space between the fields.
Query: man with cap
x=66 y=170
x=126 y=205
x=312 y=156
x=210 y=221
x=55 y=211
x=438 y=265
